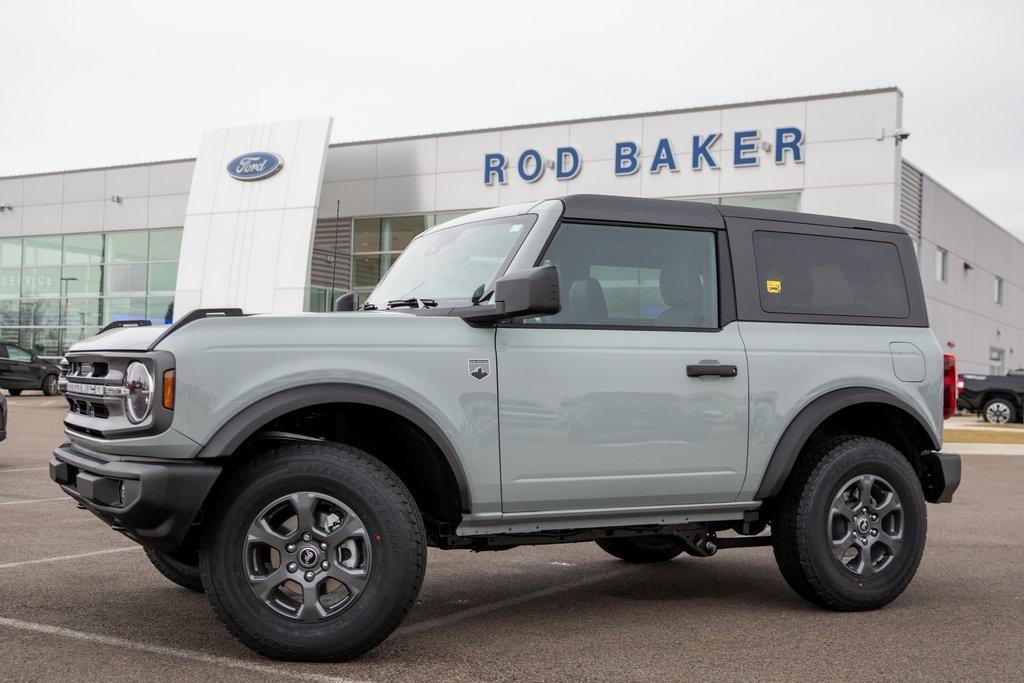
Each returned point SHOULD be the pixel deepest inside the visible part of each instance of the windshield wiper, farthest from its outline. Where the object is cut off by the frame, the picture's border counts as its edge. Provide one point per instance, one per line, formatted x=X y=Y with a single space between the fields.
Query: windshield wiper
x=412 y=303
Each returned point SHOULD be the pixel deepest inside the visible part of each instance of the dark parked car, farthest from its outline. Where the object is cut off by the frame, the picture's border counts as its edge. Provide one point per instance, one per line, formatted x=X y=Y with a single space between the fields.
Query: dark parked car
x=3 y=417
x=21 y=369
x=997 y=398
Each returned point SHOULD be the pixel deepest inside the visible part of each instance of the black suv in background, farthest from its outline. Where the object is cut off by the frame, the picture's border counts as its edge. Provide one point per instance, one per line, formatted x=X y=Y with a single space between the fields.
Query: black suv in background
x=21 y=369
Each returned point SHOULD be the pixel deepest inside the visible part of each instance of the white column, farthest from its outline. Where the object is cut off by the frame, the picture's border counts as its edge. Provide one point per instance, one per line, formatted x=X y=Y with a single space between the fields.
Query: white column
x=248 y=243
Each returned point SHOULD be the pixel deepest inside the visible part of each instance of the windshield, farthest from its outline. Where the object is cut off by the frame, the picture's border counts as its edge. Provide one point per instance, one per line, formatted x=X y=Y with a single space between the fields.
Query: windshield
x=451 y=263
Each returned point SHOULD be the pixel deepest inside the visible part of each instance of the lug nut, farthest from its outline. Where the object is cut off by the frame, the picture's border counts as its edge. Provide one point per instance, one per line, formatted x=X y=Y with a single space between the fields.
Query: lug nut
x=323 y=546
x=874 y=532
x=306 y=537
x=290 y=547
x=292 y=567
x=325 y=564
x=874 y=517
x=309 y=576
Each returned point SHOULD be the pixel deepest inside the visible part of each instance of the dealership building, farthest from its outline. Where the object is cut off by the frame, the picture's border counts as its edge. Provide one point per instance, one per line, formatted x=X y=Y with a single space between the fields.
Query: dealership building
x=273 y=217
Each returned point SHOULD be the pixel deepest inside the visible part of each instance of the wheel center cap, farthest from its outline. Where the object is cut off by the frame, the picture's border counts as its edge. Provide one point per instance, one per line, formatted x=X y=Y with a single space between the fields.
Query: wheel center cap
x=863 y=525
x=308 y=557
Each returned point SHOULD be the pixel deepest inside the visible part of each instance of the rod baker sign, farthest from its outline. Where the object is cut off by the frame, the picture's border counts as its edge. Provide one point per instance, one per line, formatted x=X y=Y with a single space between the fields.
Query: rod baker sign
x=784 y=145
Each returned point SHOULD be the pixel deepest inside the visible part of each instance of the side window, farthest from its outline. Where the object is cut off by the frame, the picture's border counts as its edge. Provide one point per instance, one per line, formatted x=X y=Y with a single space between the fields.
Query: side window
x=629 y=276
x=3 y=350
x=818 y=275
x=18 y=353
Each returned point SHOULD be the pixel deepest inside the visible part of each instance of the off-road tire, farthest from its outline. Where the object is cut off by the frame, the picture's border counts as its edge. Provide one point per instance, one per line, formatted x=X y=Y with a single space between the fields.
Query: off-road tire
x=802 y=537
x=178 y=569
x=393 y=525
x=1010 y=411
x=49 y=385
x=643 y=549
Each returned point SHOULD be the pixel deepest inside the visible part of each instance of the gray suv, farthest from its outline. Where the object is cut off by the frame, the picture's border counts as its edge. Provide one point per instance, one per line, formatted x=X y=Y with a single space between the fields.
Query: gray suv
x=658 y=377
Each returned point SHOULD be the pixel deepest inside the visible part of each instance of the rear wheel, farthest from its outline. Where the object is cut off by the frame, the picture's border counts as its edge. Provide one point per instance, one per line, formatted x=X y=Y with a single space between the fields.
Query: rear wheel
x=850 y=525
x=643 y=549
x=999 y=411
x=182 y=570
x=50 y=385
x=316 y=552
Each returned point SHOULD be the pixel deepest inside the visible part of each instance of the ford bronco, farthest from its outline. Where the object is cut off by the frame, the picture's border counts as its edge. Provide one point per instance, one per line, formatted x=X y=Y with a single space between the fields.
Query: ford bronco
x=658 y=377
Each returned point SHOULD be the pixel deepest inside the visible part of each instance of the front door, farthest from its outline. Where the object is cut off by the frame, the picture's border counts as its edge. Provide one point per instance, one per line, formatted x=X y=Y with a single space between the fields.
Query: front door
x=22 y=368
x=633 y=395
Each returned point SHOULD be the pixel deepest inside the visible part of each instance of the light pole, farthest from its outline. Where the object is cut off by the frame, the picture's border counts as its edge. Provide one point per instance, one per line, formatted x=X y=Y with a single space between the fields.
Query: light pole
x=60 y=315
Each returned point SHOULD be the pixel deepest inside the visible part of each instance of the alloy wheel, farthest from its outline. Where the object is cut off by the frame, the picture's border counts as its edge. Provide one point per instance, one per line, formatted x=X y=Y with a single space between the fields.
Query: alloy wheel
x=997 y=412
x=866 y=525
x=307 y=556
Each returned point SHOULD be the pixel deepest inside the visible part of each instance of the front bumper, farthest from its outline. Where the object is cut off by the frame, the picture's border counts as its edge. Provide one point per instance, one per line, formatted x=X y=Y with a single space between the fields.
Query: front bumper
x=940 y=476
x=154 y=503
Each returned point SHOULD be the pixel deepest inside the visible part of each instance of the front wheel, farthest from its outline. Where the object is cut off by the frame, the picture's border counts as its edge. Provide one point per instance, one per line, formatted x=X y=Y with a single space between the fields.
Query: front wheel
x=849 y=528
x=50 y=385
x=999 y=411
x=315 y=552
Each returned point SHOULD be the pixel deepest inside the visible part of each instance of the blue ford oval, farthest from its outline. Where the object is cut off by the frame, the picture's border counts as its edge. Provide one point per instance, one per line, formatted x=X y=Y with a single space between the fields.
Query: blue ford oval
x=254 y=165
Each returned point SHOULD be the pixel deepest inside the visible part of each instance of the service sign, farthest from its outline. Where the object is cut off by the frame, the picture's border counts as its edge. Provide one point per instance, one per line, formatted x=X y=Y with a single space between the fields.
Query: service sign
x=254 y=166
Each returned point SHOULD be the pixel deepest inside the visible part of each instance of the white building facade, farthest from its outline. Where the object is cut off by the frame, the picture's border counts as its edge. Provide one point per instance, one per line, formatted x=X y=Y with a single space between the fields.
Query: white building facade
x=79 y=249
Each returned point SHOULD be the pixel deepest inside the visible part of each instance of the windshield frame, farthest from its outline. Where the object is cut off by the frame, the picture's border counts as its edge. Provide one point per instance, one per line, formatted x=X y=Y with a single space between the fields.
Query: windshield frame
x=531 y=220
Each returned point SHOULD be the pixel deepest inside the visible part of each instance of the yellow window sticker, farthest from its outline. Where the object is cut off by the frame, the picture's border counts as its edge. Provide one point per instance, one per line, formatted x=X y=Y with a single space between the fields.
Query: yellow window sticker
x=773 y=286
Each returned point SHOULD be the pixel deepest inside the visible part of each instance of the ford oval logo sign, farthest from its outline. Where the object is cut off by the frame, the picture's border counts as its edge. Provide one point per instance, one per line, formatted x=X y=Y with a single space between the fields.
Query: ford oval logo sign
x=254 y=166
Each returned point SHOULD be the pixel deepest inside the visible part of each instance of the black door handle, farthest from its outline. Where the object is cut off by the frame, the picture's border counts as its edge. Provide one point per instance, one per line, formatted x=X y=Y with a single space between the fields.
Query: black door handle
x=706 y=370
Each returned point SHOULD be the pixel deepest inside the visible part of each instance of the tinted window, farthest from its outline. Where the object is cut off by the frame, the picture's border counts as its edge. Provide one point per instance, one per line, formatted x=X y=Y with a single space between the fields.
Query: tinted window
x=18 y=353
x=628 y=276
x=819 y=275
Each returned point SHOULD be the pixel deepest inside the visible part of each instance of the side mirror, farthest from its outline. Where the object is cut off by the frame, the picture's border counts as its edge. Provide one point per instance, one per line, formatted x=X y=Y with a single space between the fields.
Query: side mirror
x=525 y=293
x=346 y=302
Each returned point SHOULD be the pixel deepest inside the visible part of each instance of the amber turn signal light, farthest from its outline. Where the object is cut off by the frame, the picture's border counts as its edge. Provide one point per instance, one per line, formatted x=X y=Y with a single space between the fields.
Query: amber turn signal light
x=169 y=389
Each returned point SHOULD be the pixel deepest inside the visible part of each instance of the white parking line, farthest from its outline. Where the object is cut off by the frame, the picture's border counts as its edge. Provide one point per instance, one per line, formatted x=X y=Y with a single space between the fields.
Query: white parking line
x=24 y=469
x=446 y=620
x=166 y=651
x=59 y=558
x=34 y=500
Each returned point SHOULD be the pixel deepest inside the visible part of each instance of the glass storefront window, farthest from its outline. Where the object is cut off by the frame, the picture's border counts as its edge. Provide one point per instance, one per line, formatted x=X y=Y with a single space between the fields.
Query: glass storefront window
x=39 y=312
x=162 y=277
x=82 y=312
x=396 y=233
x=125 y=278
x=88 y=280
x=40 y=282
x=124 y=308
x=10 y=253
x=83 y=249
x=41 y=251
x=366 y=235
x=9 y=312
x=165 y=245
x=160 y=309
x=127 y=246
x=10 y=283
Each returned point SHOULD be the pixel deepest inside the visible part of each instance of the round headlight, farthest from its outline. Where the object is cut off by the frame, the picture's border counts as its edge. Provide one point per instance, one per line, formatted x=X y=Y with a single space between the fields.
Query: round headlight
x=139 y=399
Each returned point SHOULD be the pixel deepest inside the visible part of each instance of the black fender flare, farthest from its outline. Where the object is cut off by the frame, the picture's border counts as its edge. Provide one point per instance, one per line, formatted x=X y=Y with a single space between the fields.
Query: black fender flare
x=245 y=423
x=811 y=417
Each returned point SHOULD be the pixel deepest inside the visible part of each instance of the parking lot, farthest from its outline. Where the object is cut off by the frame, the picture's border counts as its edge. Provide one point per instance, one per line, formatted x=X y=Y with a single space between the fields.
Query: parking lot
x=79 y=601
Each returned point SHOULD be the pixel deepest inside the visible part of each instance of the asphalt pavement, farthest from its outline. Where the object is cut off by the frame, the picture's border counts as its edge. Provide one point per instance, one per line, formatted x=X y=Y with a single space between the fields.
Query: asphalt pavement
x=78 y=601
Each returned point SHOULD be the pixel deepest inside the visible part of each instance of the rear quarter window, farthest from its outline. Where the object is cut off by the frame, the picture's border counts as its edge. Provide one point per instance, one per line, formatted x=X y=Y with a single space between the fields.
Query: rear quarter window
x=818 y=275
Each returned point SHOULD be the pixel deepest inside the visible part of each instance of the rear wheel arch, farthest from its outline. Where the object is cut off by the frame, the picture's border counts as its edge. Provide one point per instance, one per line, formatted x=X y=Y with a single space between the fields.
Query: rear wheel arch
x=831 y=414
x=250 y=421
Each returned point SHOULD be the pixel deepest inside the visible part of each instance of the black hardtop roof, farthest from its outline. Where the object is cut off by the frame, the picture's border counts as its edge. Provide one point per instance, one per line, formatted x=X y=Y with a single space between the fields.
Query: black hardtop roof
x=695 y=214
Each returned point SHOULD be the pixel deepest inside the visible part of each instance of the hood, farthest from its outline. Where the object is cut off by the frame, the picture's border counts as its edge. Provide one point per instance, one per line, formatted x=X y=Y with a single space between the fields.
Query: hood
x=121 y=339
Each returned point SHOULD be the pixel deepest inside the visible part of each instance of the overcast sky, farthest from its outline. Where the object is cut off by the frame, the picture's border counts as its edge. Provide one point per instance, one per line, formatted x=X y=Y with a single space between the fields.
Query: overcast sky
x=92 y=84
